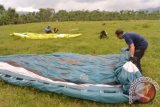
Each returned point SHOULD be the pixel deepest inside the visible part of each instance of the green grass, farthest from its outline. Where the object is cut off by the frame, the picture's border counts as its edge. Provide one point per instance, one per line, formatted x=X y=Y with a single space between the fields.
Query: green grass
x=88 y=43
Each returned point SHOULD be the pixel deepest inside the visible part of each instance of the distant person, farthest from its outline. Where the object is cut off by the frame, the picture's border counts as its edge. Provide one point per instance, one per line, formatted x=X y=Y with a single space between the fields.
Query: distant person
x=48 y=29
x=103 y=34
x=137 y=45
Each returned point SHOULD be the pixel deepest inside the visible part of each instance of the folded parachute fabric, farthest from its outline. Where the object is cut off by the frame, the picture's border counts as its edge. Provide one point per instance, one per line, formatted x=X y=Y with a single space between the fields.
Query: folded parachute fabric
x=44 y=36
x=80 y=76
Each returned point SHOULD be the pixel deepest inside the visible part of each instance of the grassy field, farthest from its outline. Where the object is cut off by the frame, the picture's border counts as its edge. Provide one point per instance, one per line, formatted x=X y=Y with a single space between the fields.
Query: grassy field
x=88 y=43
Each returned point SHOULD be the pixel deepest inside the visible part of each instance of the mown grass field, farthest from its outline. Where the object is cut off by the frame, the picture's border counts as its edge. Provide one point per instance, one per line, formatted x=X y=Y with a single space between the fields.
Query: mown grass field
x=88 y=43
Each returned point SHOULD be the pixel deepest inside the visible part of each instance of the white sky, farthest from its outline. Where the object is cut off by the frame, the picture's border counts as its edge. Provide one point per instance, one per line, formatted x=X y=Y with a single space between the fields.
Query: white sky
x=110 y=5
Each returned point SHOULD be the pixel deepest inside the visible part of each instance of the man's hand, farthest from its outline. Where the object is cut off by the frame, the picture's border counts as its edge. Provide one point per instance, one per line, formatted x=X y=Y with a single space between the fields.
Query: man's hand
x=133 y=59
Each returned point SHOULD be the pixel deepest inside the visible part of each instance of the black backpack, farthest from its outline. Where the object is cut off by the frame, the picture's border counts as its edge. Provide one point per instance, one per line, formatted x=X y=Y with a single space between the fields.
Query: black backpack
x=55 y=30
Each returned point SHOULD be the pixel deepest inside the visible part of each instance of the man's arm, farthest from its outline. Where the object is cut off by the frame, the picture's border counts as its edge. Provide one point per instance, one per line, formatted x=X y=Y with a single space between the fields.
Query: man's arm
x=130 y=43
x=132 y=49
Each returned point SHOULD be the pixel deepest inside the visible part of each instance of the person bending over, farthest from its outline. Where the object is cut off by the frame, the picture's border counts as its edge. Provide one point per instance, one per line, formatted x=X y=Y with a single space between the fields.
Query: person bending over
x=137 y=45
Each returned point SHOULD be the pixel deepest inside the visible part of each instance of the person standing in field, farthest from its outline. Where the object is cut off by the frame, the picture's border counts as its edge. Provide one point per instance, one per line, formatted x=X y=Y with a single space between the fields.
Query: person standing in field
x=137 y=45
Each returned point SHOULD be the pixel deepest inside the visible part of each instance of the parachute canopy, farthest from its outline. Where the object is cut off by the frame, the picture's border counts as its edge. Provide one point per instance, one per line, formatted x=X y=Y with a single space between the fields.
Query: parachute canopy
x=44 y=36
x=102 y=78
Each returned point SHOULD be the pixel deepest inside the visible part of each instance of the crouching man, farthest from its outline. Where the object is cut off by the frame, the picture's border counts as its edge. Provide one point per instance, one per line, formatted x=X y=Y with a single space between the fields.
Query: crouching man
x=137 y=45
x=48 y=29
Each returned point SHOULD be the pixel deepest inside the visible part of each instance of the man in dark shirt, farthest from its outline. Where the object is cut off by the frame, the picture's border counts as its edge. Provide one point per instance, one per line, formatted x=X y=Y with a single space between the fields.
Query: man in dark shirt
x=137 y=46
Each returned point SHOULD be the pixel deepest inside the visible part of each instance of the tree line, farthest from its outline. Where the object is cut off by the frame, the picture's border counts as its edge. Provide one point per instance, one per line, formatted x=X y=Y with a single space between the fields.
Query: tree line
x=10 y=16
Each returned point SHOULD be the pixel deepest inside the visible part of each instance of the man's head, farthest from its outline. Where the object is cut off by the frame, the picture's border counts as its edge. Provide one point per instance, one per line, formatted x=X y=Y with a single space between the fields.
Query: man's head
x=48 y=27
x=119 y=33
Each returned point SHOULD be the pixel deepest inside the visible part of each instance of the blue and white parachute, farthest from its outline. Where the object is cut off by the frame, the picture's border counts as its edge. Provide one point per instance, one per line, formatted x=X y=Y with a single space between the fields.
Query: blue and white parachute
x=102 y=78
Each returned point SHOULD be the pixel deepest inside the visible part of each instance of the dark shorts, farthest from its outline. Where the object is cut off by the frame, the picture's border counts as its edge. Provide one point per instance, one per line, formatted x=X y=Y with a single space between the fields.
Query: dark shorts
x=139 y=53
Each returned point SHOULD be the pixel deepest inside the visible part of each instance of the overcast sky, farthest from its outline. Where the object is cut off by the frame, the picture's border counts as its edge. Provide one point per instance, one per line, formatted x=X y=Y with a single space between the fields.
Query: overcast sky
x=110 y=5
